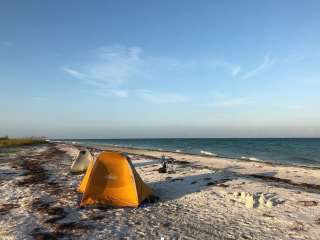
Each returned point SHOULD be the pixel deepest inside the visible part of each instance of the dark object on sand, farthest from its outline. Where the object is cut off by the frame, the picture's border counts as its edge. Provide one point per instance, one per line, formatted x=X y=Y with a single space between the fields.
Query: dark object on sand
x=44 y=234
x=164 y=225
x=72 y=226
x=167 y=165
x=210 y=183
x=176 y=179
x=308 y=203
x=162 y=169
x=223 y=185
x=152 y=199
x=182 y=162
x=55 y=211
x=5 y=208
x=219 y=182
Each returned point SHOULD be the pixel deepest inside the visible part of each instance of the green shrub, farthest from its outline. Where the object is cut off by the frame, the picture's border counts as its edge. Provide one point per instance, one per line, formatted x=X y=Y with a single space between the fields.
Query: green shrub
x=13 y=142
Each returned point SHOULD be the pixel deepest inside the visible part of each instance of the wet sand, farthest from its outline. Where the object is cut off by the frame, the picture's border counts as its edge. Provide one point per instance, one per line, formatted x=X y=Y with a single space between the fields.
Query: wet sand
x=206 y=198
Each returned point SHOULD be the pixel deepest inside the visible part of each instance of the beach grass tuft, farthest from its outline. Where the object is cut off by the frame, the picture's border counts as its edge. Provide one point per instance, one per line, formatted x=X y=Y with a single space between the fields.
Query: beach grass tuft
x=14 y=142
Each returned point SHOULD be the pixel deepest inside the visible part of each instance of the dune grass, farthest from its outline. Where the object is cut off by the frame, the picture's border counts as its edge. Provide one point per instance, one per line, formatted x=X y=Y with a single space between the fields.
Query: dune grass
x=14 y=142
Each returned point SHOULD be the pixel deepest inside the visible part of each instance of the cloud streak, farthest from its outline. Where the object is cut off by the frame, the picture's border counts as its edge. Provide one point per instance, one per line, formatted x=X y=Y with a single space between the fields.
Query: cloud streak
x=110 y=66
x=74 y=73
x=268 y=62
x=233 y=69
x=117 y=65
x=159 y=98
x=220 y=100
x=121 y=93
x=111 y=69
x=114 y=70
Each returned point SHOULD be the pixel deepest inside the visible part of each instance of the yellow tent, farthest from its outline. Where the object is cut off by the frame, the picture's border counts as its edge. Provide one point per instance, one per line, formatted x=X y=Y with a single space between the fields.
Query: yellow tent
x=112 y=180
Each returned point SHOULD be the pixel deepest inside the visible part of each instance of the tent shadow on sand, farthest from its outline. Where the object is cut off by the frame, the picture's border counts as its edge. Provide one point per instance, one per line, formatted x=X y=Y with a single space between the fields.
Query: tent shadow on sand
x=175 y=188
x=146 y=163
x=178 y=187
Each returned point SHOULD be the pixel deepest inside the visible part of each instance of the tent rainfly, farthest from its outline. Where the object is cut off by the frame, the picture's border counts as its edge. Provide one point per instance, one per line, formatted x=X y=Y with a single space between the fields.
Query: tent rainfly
x=112 y=180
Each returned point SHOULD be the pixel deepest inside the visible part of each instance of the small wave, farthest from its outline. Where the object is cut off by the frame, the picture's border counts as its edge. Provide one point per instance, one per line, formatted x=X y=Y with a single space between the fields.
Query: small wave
x=74 y=142
x=250 y=158
x=178 y=150
x=207 y=153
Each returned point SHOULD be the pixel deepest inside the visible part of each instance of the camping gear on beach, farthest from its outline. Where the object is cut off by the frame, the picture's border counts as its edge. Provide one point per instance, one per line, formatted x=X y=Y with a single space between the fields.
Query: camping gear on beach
x=167 y=165
x=112 y=180
x=81 y=163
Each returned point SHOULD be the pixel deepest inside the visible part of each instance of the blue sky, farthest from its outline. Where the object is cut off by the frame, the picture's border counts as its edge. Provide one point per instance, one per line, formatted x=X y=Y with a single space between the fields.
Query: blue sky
x=114 y=69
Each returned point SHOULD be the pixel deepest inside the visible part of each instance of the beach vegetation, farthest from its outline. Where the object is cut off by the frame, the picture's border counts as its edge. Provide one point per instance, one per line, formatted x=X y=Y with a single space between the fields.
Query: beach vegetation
x=14 y=142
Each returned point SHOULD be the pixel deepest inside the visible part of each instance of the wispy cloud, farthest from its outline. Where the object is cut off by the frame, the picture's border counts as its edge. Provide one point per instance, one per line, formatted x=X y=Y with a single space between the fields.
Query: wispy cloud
x=221 y=100
x=119 y=92
x=74 y=73
x=158 y=98
x=122 y=93
x=234 y=69
x=111 y=69
x=268 y=62
x=116 y=65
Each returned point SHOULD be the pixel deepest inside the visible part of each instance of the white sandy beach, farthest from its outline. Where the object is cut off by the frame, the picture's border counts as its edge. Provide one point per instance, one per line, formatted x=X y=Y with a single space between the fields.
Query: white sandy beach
x=207 y=198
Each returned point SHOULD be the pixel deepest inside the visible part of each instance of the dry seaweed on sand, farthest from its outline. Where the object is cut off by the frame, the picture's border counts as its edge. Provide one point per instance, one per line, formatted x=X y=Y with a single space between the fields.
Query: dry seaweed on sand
x=308 y=203
x=188 y=208
x=6 y=207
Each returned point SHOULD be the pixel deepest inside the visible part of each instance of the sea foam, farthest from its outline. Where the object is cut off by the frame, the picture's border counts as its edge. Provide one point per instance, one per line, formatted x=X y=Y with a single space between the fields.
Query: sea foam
x=207 y=153
x=250 y=158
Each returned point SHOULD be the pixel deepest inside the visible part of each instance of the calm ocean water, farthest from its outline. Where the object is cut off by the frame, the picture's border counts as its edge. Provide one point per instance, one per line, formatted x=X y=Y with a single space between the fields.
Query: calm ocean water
x=298 y=151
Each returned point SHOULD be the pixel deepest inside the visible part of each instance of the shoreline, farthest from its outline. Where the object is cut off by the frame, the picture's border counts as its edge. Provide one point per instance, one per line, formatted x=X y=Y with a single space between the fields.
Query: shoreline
x=122 y=148
x=308 y=176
